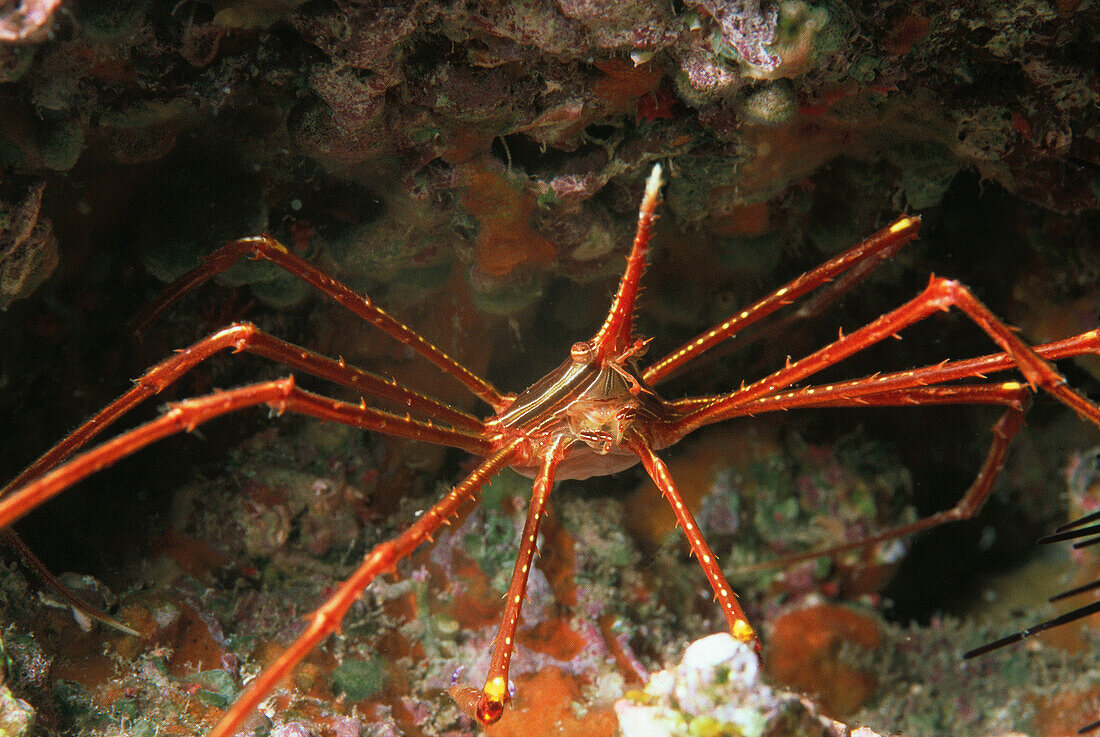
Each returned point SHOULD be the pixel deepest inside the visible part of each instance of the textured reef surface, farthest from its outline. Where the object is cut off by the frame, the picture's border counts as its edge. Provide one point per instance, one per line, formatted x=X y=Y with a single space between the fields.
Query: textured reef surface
x=476 y=168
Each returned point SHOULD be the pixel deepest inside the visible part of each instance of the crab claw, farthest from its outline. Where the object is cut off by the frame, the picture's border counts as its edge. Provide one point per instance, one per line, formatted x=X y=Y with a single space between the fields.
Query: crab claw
x=476 y=704
x=488 y=710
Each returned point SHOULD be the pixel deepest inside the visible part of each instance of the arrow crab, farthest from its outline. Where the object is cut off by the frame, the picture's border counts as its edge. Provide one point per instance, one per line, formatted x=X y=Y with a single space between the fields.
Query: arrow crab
x=597 y=413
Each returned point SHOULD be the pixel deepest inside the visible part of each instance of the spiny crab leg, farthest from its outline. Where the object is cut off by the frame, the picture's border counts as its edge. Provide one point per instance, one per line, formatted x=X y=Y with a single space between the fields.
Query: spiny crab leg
x=237 y=337
x=267 y=248
x=1011 y=393
x=245 y=337
x=815 y=303
x=280 y=394
x=940 y=295
x=978 y=367
x=880 y=383
x=487 y=705
x=382 y=559
x=248 y=338
x=879 y=246
x=899 y=389
x=969 y=505
x=723 y=593
x=1008 y=393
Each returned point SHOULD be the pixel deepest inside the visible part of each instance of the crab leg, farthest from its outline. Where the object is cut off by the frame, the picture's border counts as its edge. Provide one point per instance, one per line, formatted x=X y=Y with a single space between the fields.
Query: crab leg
x=814 y=305
x=1009 y=393
x=880 y=383
x=36 y=566
x=382 y=559
x=940 y=295
x=266 y=247
x=280 y=395
x=239 y=337
x=971 y=502
x=494 y=695
x=878 y=247
x=727 y=599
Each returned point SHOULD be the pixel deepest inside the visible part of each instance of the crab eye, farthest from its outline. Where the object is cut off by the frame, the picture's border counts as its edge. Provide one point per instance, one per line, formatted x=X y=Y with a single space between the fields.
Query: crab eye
x=582 y=352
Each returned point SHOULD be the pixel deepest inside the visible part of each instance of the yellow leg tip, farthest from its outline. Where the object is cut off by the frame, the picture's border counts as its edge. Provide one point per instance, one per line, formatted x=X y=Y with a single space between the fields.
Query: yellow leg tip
x=495 y=689
x=743 y=631
x=902 y=224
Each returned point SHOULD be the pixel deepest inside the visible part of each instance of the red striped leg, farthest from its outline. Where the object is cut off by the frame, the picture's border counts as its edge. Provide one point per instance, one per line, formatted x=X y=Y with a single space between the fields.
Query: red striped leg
x=239 y=337
x=245 y=337
x=1008 y=393
x=266 y=247
x=248 y=338
x=495 y=694
x=939 y=373
x=727 y=599
x=383 y=559
x=968 y=506
x=1077 y=345
x=878 y=247
x=940 y=295
x=280 y=395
